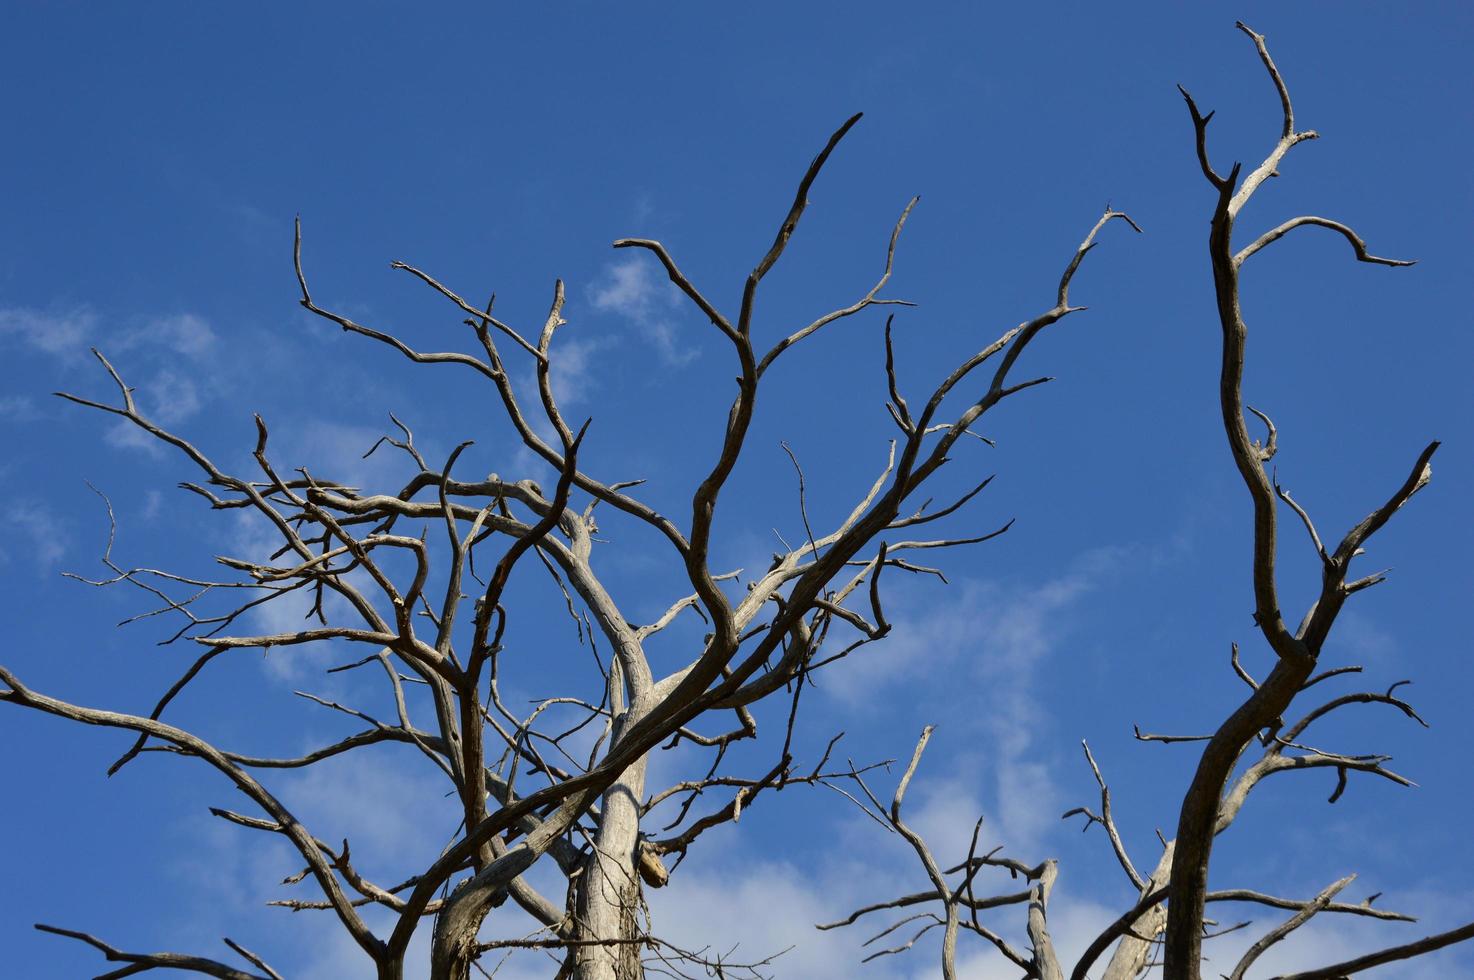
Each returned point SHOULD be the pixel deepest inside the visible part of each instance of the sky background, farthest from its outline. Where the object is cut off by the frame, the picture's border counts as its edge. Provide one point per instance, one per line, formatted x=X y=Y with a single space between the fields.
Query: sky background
x=157 y=155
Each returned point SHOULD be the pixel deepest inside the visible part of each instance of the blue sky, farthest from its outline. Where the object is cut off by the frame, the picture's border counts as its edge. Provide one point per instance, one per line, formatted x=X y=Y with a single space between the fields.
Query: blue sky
x=158 y=153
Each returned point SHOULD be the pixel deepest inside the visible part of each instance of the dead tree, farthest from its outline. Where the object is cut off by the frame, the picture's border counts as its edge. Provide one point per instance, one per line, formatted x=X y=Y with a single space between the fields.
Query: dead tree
x=1170 y=917
x=408 y=581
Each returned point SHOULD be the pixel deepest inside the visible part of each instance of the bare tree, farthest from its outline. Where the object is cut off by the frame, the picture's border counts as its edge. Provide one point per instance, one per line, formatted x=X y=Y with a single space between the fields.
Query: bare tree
x=1169 y=920
x=409 y=580
x=389 y=580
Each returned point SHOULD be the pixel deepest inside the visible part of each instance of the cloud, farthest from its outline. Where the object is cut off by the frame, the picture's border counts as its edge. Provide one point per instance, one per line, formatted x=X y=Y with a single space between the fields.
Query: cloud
x=1073 y=923
x=236 y=874
x=167 y=399
x=572 y=368
x=1020 y=628
x=51 y=333
x=182 y=333
x=334 y=955
x=389 y=803
x=762 y=906
x=66 y=333
x=1329 y=939
x=335 y=451
x=44 y=537
x=330 y=451
x=631 y=289
x=944 y=811
x=171 y=353
x=18 y=408
x=1358 y=639
x=571 y=371
x=749 y=910
x=223 y=876
x=992 y=637
x=153 y=504
x=254 y=539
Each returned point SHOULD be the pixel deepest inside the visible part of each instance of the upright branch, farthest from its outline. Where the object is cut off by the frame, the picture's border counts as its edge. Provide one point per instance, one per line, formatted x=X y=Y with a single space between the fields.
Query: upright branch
x=1296 y=650
x=1135 y=934
x=1168 y=914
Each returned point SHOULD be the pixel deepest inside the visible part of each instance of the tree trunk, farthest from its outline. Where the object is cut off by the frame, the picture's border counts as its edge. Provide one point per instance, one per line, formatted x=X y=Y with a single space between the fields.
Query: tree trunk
x=1135 y=948
x=609 y=896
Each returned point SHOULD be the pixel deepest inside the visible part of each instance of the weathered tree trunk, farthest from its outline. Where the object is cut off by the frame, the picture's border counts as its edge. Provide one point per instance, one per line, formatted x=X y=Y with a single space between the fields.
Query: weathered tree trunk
x=608 y=897
x=1182 y=952
x=1135 y=948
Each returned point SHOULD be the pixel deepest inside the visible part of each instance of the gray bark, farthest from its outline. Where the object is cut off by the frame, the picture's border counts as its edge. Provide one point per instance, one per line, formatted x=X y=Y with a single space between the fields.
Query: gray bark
x=608 y=896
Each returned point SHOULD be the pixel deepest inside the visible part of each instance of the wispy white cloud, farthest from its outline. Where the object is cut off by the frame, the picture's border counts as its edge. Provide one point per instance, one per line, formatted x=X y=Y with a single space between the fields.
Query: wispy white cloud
x=337 y=956
x=749 y=910
x=18 y=408
x=335 y=451
x=223 y=876
x=633 y=289
x=390 y=804
x=171 y=355
x=1073 y=923
x=253 y=539
x=168 y=398
x=763 y=906
x=182 y=333
x=153 y=505
x=1358 y=639
x=65 y=333
x=944 y=810
x=993 y=638
x=1017 y=629
x=42 y=537
x=1330 y=938
x=572 y=371
x=574 y=376
x=59 y=333
x=330 y=451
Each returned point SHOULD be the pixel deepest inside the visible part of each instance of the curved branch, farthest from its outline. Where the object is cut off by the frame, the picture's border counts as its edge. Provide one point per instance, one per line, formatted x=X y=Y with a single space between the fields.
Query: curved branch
x=789 y=225
x=681 y=282
x=1122 y=925
x=1107 y=821
x=1288 y=926
x=465 y=308
x=143 y=962
x=1357 y=245
x=1389 y=955
x=867 y=300
x=291 y=828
